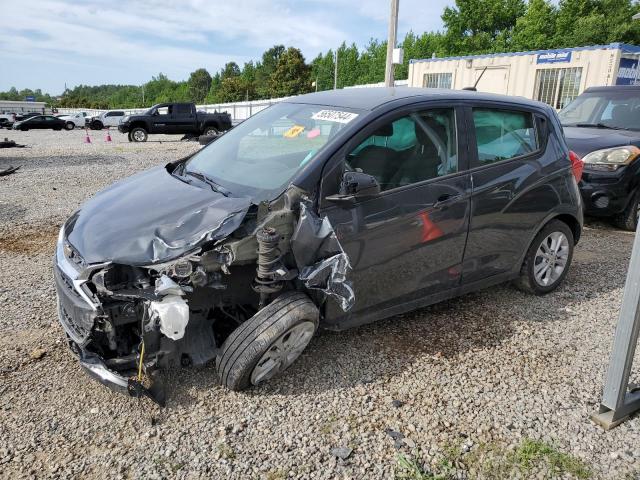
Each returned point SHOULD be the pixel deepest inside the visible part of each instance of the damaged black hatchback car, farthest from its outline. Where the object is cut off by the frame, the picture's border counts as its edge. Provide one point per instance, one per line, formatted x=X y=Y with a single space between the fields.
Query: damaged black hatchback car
x=332 y=209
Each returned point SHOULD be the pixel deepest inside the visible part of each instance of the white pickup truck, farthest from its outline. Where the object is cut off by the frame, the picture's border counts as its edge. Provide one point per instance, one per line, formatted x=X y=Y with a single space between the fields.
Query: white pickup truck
x=74 y=120
x=106 y=119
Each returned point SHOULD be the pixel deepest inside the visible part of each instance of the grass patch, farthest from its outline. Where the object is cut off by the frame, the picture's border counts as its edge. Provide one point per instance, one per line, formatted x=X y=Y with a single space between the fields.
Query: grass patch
x=535 y=453
x=530 y=458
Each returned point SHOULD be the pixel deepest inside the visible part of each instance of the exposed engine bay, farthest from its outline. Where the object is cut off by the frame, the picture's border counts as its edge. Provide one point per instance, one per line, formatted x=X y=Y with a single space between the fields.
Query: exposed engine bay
x=126 y=320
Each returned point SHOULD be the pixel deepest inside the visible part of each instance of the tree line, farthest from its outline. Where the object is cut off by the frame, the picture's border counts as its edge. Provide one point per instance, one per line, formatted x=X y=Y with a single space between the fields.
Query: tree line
x=470 y=27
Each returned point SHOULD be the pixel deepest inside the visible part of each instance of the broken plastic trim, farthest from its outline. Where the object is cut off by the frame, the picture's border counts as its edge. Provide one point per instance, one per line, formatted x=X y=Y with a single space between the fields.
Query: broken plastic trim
x=321 y=260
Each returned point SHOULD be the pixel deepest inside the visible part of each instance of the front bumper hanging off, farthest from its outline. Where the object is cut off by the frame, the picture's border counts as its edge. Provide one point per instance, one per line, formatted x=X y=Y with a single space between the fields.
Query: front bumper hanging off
x=77 y=315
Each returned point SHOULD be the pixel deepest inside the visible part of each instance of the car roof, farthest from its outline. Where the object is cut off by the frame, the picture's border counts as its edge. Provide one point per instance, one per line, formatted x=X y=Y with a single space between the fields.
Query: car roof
x=370 y=98
x=613 y=88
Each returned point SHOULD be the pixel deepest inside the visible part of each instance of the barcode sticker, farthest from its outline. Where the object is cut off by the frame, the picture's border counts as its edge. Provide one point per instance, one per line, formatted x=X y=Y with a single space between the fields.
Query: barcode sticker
x=334 y=116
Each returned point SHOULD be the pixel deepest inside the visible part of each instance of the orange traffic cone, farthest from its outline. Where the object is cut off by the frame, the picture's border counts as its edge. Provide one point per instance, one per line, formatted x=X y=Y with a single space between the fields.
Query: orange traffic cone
x=87 y=138
x=108 y=137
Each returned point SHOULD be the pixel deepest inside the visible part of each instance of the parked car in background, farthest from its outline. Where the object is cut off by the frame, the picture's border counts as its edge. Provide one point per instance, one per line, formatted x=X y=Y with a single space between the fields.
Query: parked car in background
x=335 y=209
x=25 y=116
x=40 y=122
x=105 y=119
x=603 y=126
x=173 y=118
x=74 y=120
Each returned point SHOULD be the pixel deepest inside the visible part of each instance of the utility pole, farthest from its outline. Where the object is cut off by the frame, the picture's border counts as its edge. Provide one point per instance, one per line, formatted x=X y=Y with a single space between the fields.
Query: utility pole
x=335 y=71
x=391 y=43
x=143 y=104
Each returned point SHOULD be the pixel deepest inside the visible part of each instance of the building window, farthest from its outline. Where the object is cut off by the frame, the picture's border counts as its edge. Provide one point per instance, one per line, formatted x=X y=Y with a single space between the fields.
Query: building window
x=557 y=86
x=437 y=80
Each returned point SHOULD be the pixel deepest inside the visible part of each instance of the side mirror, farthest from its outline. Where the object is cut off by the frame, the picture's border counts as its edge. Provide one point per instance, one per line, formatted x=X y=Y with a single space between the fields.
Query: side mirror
x=355 y=185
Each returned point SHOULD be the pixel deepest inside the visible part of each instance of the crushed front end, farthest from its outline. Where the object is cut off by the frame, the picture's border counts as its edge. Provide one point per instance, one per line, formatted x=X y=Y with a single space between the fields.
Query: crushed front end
x=126 y=322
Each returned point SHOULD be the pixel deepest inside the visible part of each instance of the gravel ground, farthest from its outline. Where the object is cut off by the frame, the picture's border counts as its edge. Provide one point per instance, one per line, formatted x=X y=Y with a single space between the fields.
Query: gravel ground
x=457 y=388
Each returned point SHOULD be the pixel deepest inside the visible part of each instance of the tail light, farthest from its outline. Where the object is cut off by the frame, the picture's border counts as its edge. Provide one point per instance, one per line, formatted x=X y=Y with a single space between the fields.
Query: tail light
x=577 y=165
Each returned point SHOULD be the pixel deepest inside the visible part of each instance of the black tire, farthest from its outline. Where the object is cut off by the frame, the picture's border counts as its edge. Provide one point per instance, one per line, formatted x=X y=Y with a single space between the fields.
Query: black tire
x=24 y=129
x=628 y=219
x=69 y=126
x=245 y=347
x=527 y=281
x=210 y=131
x=138 y=134
x=96 y=125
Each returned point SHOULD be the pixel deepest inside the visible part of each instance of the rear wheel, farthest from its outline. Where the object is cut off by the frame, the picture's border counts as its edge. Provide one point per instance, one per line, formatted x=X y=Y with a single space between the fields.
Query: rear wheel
x=210 y=131
x=548 y=259
x=268 y=342
x=628 y=219
x=69 y=126
x=139 y=134
x=96 y=125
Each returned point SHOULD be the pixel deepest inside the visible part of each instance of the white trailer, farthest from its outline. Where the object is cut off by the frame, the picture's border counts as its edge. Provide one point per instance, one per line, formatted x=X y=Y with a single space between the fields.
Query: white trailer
x=552 y=76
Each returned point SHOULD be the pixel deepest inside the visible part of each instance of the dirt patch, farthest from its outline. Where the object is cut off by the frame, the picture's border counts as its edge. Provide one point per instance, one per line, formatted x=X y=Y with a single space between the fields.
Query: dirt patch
x=30 y=240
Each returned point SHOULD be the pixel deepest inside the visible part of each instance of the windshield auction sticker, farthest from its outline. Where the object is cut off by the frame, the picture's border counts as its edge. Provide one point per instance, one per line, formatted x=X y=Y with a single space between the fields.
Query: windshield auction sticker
x=334 y=116
x=294 y=131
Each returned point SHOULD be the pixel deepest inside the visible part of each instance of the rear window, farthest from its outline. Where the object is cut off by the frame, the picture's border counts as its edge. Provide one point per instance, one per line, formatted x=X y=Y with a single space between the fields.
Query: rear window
x=503 y=134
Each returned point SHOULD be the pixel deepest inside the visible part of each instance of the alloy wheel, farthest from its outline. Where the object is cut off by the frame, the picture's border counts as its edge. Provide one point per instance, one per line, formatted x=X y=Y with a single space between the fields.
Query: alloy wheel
x=283 y=352
x=551 y=259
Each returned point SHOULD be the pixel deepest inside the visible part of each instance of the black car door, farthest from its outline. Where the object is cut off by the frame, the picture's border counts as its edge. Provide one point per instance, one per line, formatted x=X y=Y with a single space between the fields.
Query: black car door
x=183 y=118
x=514 y=186
x=407 y=243
x=161 y=119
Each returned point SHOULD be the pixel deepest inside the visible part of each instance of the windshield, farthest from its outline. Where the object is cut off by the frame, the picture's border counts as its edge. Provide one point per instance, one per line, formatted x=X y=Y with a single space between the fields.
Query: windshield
x=613 y=109
x=261 y=155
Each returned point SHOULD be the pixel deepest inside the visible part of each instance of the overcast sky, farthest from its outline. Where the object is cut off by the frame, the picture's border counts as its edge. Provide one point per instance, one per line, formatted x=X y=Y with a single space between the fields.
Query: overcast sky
x=46 y=43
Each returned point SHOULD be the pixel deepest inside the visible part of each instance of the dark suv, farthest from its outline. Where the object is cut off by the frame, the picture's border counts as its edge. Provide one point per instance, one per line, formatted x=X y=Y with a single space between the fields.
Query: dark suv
x=603 y=126
x=333 y=209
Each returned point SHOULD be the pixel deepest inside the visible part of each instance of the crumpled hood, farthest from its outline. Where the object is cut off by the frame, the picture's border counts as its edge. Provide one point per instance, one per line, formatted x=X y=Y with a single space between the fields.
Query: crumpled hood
x=151 y=217
x=586 y=140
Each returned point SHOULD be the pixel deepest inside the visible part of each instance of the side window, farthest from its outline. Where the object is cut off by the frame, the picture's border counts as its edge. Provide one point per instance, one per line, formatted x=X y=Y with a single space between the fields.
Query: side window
x=411 y=149
x=183 y=110
x=503 y=134
x=164 y=110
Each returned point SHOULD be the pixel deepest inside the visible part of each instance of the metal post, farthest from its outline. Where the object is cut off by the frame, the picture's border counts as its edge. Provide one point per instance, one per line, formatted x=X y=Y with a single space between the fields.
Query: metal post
x=618 y=400
x=391 y=43
x=335 y=71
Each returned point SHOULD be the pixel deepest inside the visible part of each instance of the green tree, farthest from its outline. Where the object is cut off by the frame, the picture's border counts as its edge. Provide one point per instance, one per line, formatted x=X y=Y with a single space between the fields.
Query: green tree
x=292 y=76
x=265 y=69
x=535 y=30
x=322 y=68
x=231 y=69
x=372 y=61
x=476 y=26
x=199 y=84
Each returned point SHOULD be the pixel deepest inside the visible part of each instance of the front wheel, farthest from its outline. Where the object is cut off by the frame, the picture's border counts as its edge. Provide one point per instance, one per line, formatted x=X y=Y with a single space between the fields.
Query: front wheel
x=268 y=342
x=628 y=219
x=96 y=125
x=138 y=134
x=69 y=126
x=210 y=131
x=548 y=259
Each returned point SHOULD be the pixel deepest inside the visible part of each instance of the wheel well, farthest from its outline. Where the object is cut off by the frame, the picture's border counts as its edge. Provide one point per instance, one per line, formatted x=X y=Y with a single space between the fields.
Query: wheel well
x=138 y=125
x=573 y=224
x=211 y=124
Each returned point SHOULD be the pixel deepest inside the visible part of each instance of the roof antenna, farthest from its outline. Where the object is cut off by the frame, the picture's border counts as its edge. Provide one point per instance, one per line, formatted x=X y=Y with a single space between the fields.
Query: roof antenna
x=474 y=89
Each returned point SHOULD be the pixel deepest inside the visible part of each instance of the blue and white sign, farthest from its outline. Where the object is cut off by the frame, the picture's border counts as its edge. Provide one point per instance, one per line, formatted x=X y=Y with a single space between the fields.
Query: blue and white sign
x=628 y=72
x=30 y=98
x=556 y=56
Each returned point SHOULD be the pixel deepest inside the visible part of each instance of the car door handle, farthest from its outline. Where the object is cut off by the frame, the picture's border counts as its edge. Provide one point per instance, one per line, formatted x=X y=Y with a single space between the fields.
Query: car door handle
x=445 y=199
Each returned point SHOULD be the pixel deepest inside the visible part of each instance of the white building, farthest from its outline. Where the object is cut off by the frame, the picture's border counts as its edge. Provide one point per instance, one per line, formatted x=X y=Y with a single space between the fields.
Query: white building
x=552 y=76
x=13 y=106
